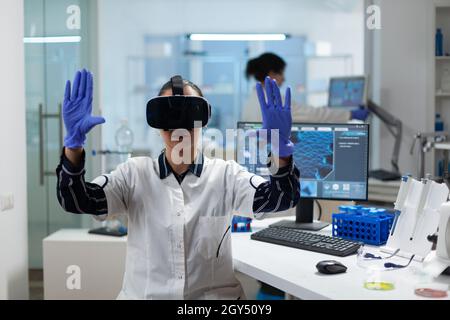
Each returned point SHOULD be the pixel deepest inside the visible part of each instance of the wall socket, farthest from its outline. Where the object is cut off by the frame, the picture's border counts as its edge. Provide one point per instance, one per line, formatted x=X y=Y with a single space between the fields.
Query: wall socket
x=6 y=202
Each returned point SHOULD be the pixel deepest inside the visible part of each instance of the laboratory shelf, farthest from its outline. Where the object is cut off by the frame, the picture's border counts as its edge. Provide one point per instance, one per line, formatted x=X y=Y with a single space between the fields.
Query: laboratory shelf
x=442 y=146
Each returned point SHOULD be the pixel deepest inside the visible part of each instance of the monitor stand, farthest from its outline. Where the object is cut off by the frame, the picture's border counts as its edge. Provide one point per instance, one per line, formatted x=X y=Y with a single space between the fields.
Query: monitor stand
x=304 y=218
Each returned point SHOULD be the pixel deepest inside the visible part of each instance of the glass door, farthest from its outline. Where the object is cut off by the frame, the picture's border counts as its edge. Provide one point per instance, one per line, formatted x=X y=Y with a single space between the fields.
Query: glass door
x=56 y=45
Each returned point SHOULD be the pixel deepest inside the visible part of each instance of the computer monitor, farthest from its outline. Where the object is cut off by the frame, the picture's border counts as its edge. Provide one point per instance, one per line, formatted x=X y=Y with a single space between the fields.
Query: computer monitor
x=347 y=92
x=333 y=162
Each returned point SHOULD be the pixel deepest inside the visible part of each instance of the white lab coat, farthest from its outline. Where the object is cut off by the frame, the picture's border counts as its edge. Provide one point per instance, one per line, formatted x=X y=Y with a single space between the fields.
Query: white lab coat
x=252 y=113
x=175 y=230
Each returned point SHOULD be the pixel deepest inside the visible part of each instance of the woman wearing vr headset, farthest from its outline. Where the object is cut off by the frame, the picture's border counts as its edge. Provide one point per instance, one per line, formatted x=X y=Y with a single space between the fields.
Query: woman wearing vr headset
x=179 y=212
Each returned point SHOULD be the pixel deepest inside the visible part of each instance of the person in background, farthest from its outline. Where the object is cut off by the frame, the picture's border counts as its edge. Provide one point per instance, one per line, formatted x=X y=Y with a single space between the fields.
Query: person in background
x=273 y=66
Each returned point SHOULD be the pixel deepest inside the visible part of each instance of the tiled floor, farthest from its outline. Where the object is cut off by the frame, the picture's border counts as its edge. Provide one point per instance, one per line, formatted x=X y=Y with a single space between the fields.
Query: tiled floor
x=36 y=278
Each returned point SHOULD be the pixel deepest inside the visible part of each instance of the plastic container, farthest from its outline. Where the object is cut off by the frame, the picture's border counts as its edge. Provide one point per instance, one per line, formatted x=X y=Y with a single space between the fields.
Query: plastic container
x=379 y=280
x=438 y=124
x=241 y=224
x=439 y=43
x=445 y=78
x=440 y=168
x=367 y=225
x=426 y=286
x=124 y=141
x=124 y=137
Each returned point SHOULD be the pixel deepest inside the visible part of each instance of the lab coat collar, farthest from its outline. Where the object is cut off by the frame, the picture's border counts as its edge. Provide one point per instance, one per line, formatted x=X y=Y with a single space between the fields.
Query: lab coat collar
x=165 y=169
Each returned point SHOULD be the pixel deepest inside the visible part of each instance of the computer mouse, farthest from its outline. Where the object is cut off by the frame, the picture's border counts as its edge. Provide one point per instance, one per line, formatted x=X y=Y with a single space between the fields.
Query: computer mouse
x=330 y=267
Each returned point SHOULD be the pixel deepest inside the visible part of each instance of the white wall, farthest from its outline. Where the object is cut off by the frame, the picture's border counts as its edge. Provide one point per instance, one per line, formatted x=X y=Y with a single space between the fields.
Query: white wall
x=123 y=24
x=13 y=223
x=401 y=53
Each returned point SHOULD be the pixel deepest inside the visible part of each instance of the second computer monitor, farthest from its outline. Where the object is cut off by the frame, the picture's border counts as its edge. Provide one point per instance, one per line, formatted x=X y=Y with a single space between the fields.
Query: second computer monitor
x=332 y=159
x=347 y=92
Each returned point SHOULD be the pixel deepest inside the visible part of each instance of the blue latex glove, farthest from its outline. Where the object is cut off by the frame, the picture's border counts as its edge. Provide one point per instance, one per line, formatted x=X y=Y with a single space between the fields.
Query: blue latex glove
x=276 y=116
x=77 y=109
x=360 y=114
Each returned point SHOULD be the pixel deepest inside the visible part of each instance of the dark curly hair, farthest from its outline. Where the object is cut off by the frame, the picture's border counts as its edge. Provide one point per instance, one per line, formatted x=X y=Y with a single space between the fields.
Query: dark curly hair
x=260 y=67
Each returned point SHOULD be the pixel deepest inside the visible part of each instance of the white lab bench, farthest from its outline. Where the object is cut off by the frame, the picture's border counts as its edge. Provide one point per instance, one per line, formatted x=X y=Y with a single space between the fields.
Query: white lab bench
x=101 y=260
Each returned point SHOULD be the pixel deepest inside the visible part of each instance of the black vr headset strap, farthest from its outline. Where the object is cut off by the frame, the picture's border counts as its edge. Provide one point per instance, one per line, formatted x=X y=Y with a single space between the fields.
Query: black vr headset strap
x=177 y=85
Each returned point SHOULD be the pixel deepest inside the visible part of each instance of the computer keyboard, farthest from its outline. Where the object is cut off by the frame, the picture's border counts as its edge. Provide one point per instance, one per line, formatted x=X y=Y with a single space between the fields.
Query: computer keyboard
x=307 y=241
x=104 y=231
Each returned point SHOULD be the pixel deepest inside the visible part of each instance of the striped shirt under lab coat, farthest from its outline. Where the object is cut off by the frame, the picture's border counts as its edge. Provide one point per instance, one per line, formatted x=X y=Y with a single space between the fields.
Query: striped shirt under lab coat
x=76 y=195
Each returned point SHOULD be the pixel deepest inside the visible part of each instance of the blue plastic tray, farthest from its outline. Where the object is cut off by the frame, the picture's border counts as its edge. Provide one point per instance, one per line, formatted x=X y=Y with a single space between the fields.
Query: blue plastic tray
x=368 y=225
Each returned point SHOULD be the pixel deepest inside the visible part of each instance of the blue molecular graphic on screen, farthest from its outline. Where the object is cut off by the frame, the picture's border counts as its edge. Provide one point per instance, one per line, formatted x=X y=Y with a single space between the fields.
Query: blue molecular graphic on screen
x=314 y=154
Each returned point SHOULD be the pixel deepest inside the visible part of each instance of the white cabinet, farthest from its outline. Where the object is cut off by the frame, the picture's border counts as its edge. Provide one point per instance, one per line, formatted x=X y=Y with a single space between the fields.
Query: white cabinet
x=79 y=265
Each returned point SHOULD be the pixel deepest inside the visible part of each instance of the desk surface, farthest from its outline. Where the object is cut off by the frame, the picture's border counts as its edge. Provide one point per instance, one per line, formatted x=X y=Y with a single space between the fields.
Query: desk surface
x=293 y=271
x=289 y=269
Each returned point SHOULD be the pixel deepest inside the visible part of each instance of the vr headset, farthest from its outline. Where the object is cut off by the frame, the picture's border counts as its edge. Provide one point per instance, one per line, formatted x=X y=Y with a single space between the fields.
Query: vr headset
x=178 y=111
